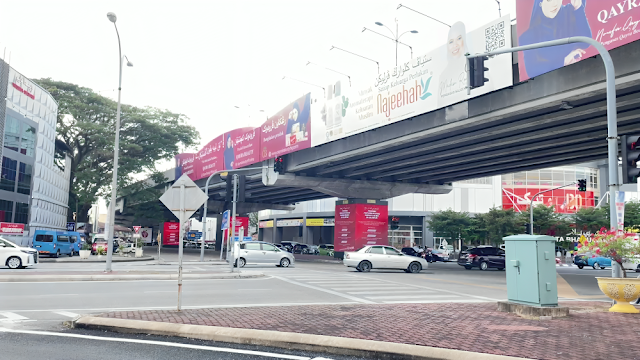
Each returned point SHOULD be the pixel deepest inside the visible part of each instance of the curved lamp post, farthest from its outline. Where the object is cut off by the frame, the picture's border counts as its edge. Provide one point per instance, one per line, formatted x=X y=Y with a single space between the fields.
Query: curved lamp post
x=396 y=37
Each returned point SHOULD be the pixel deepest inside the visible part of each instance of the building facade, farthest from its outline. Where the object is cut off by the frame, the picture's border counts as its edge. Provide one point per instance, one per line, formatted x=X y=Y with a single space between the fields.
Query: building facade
x=34 y=191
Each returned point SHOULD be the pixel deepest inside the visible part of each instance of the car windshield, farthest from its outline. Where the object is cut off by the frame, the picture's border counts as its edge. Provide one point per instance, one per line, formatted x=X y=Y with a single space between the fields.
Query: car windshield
x=362 y=248
x=436 y=252
x=7 y=243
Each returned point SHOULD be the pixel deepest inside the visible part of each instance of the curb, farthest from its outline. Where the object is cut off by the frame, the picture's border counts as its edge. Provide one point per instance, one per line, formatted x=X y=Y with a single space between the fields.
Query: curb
x=115 y=259
x=112 y=277
x=307 y=342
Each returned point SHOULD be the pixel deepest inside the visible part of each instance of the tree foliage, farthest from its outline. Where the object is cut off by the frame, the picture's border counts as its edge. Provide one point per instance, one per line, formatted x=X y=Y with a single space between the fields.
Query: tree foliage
x=451 y=224
x=546 y=221
x=86 y=123
x=496 y=224
x=591 y=219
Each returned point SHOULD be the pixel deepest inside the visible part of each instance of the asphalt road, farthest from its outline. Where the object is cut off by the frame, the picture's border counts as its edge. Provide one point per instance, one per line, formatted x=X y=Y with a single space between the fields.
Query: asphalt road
x=98 y=345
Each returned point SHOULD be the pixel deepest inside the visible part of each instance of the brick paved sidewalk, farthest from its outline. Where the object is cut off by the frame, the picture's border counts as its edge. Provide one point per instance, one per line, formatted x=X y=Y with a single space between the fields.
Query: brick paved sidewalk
x=590 y=332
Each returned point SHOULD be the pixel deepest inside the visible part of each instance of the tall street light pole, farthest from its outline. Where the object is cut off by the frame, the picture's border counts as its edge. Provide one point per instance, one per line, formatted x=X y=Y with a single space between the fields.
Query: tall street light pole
x=416 y=11
x=304 y=82
x=326 y=68
x=349 y=52
x=396 y=36
x=109 y=231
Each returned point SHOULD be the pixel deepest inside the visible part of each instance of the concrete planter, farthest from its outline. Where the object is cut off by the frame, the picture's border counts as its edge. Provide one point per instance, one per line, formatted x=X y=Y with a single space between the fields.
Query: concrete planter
x=84 y=254
x=138 y=253
x=622 y=290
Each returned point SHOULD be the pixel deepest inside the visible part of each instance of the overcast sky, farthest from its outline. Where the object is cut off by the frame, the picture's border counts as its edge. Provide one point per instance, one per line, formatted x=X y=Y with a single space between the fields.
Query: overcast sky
x=203 y=58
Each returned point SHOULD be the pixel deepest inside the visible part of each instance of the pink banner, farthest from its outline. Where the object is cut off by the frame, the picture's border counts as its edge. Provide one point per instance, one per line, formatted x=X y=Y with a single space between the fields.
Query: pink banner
x=242 y=148
x=611 y=22
x=211 y=158
x=288 y=131
x=186 y=164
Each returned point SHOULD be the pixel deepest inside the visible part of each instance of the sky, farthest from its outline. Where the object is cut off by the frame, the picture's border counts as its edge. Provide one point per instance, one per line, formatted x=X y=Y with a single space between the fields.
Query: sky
x=222 y=63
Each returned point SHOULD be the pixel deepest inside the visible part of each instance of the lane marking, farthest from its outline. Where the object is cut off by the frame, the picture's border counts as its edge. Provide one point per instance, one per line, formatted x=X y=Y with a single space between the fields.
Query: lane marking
x=360 y=300
x=13 y=316
x=438 y=301
x=391 y=297
x=161 y=291
x=67 y=314
x=368 y=288
x=159 y=343
x=103 y=282
x=381 y=292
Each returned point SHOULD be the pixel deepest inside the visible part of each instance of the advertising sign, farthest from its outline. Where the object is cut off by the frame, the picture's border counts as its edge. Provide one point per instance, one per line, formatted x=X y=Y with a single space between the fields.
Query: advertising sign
x=564 y=201
x=289 y=222
x=287 y=131
x=265 y=224
x=611 y=22
x=345 y=228
x=71 y=226
x=11 y=228
x=620 y=210
x=224 y=225
x=146 y=235
x=426 y=83
x=242 y=148
x=171 y=235
x=320 y=222
x=242 y=223
x=359 y=224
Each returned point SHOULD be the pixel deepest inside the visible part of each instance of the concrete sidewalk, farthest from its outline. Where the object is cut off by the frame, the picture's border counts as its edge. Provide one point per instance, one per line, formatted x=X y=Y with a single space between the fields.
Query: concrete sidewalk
x=418 y=331
x=94 y=259
x=50 y=276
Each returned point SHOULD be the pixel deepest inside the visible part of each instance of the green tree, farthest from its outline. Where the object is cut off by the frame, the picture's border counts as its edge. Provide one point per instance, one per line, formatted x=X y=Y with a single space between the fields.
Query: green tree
x=253 y=221
x=631 y=214
x=143 y=200
x=546 y=221
x=500 y=223
x=591 y=219
x=86 y=124
x=450 y=224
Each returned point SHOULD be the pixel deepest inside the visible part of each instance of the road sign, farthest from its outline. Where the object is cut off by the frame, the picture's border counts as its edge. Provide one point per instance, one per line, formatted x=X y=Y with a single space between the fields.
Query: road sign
x=193 y=198
x=225 y=220
x=137 y=229
x=71 y=226
x=194 y=235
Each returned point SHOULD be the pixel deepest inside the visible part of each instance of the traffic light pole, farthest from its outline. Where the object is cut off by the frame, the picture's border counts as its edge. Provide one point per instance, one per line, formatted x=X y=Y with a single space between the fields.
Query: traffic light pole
x=534 y=197
x=612 y=117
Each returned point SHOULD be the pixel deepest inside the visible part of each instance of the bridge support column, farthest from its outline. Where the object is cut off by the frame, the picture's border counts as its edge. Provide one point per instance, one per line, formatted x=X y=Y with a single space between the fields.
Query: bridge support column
x=360 y=222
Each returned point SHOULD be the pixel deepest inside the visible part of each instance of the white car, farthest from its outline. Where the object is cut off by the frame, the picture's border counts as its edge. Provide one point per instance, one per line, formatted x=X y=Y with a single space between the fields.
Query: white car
x=16 y=257
x=263 y=253
x=383 y=257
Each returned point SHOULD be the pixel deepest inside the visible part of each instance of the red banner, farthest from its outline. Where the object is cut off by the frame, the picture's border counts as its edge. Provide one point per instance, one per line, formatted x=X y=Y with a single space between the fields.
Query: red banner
x=611 y=22
x=287 y=131
x=11 y=228
x=241 y=223
x=357 y=225
x=171 y=234
x=242 y=148
x=565 y=201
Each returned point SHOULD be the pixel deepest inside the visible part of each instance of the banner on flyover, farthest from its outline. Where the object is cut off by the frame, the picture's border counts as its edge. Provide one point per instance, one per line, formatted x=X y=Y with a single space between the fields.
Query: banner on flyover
x=426 y=83
x=287 y=131
x=611 y=22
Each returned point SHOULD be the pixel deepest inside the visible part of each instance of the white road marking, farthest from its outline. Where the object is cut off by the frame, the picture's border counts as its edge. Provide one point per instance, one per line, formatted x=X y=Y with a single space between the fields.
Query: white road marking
x=161 y=291
x=12 y=316
x=381 y=292
x=438 y=301
x=105 y=282
x=67 y=314
x=343 y=282
x=391 y=297
x=360 y=300
x=378 y=287
x=159 y=343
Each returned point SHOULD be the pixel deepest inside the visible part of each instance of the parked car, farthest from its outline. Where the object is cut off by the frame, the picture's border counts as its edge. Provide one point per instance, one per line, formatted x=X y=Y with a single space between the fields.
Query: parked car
x=263 y=253
x=439 y=255
x=103 y=244
x=77 y=241
x=383 y=257
x=16 y=257
x=289 y=245
x=483 y=258
x=53 y=243
x=313 y=249
x=301 y=249
x=325 y=249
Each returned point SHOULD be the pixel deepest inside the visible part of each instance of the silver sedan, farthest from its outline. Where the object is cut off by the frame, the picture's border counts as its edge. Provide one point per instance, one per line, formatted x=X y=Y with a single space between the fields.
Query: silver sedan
x=383 y=257
x=263 y=253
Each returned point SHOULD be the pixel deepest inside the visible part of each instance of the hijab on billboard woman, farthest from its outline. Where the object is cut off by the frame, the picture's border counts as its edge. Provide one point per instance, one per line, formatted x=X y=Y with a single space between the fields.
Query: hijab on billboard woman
x=229 y=156
x=551 y=20
x=453 y=79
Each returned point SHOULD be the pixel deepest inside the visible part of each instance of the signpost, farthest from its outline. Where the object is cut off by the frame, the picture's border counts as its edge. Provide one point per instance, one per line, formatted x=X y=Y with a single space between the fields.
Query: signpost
x=71 y=226
x=183 y=199
x=224 y=225
x=137 y=229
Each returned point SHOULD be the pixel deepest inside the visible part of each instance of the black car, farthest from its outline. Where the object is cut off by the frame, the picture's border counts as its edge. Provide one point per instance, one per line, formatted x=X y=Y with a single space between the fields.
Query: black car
x=580 y=261
x=300 y=249
x=410 y=251
x=482 y=257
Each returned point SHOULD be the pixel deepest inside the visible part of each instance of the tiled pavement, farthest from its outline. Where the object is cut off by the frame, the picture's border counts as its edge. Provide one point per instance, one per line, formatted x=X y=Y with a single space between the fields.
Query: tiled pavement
x=590 y=332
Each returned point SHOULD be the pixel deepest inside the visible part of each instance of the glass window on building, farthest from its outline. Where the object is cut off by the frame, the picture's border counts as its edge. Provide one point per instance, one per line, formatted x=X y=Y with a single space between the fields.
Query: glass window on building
x=22 y=213
x=28 y=143
x=6 y=210
x=546 y=177
x=24 y=179
x=519 y=178
x=8 y=181
x=12 y=133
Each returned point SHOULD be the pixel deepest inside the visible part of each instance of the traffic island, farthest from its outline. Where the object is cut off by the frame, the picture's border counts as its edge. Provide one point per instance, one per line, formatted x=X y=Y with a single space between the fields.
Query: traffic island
x=396 y=331
x=533 y=311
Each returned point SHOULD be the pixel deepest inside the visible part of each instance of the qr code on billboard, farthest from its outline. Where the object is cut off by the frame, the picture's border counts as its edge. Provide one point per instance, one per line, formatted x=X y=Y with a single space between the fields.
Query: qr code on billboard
x=494 y=36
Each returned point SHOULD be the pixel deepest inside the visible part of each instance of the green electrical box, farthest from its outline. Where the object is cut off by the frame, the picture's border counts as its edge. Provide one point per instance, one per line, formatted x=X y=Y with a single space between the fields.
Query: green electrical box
x=531 y=270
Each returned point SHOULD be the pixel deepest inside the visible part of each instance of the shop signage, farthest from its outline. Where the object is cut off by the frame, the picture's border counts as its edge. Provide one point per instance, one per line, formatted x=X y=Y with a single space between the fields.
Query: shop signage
x=265 y=224
x=11 y=228
x=23 y=85
x=564 y=201
x=320 y=222
x=613 y=23
x=289 y=222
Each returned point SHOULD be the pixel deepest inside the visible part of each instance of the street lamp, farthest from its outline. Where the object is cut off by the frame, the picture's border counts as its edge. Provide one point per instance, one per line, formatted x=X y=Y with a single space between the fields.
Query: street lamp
x=499 y=9
x=349 y=52
x=432 y=18
x=337 y=72
x=304 y=82
x=396 y=36
x=109 y=228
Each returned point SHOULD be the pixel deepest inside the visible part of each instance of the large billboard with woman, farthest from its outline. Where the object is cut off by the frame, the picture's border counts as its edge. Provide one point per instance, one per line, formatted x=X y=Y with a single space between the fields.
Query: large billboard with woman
x=611 y=22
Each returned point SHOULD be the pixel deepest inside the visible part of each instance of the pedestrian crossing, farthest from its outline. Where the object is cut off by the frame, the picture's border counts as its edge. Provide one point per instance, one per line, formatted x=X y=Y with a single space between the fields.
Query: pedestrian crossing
x=377 y=291
x=17 y=317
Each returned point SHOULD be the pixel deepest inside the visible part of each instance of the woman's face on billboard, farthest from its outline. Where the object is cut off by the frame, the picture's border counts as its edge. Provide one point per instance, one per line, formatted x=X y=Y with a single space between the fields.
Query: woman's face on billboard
x=229 y=143
x=550 y=8
x=455 y=45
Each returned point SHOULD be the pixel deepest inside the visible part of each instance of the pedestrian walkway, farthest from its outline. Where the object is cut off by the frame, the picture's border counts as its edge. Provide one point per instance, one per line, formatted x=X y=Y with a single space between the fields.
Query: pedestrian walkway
x=377 y=291
x=469 y=327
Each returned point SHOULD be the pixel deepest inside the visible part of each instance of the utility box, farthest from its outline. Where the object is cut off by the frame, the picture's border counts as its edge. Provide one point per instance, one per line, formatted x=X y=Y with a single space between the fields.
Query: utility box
x=531 y=270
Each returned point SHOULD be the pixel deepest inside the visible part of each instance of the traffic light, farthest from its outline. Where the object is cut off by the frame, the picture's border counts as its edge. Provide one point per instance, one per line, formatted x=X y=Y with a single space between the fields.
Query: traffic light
x=476 y=71
x=395 y=223
x=278 y=165
x=527 y=228
x=630 y=157
x=582 y=185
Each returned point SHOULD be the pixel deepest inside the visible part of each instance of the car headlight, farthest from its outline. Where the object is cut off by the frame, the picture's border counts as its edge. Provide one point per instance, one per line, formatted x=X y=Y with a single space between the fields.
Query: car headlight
x=28 y=252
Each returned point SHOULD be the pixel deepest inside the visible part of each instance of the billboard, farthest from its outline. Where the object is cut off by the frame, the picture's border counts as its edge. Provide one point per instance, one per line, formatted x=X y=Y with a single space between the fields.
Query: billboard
x=426 y=83
x=564 y=201
x=359 y=223
x=171 y=235
x=287 y=131
x=611 y=22
x=242 y=148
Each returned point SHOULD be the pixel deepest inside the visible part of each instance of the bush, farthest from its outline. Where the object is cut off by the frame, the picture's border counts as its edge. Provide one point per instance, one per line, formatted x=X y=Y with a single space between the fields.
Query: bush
x=101 y=251
x=86 y=247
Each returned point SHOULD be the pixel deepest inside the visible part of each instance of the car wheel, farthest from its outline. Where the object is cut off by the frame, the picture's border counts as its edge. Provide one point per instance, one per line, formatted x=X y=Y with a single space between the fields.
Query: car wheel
x=484 y=266
x=71 y=253
x=596 y=266
x=57 y=255
x=580 y=266
x=468 y=267
x=243 y=262
x=285 y=262
x=14 y=262
x=365 y=266
x=414 y=267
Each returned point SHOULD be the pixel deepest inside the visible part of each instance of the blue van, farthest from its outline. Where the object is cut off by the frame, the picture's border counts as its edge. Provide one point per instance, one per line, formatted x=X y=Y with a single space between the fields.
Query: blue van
x=77 y=240
x=54 y=243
